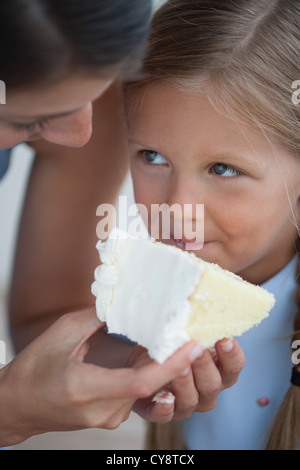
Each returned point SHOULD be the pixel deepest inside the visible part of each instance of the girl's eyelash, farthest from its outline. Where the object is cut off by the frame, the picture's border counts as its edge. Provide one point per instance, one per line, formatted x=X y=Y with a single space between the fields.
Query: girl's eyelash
x=143 y=153
x=231 y=168
x=235 y=172
x=31 y=127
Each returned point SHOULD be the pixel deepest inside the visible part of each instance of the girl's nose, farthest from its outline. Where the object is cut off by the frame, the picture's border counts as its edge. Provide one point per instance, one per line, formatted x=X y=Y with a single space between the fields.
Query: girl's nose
x=74 y=130
x=184 y=197
x=184 y=189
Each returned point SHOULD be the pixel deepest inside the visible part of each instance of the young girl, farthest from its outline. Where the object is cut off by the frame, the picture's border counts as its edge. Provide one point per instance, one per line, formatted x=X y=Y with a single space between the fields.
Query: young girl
x=212 y=121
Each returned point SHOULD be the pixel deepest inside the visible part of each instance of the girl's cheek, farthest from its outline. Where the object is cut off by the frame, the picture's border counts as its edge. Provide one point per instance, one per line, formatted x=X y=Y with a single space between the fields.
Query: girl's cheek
x=139 y=185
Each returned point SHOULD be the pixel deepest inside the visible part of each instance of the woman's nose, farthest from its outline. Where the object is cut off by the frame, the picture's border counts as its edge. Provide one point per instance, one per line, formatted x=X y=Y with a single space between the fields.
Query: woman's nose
x=74 y=130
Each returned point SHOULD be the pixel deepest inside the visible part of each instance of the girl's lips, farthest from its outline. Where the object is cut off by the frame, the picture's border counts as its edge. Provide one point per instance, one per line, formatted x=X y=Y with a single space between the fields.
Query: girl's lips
x=194 y=246
x=187 y=245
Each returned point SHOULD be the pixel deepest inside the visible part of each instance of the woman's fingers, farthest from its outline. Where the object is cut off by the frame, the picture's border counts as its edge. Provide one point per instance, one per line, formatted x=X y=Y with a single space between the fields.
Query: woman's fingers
x=142 y=379
x=72 y=332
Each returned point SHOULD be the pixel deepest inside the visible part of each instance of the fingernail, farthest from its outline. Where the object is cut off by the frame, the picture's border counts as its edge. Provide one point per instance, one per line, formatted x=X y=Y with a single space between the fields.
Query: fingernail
x=165 y=398
x=227 y=345
x=168 y=406
x=196 y=352
x=185 y=372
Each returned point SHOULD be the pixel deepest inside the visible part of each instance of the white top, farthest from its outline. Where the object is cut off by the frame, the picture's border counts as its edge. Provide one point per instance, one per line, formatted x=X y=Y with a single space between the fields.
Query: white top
x=4 y=162
x=238 y=422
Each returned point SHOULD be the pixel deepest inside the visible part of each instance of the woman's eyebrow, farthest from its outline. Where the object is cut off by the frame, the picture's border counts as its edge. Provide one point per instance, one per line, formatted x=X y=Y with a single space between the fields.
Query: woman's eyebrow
x=56 y=116
x=42 y=118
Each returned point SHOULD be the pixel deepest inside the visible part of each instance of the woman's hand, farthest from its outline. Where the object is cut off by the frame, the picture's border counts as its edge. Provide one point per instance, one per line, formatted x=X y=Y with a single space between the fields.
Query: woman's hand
x=49 y=387
x=198 y=387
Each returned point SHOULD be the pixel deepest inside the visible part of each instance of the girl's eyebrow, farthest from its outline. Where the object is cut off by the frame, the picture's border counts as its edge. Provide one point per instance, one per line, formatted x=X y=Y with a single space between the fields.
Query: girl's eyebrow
x=142 y=144
x=134 y=141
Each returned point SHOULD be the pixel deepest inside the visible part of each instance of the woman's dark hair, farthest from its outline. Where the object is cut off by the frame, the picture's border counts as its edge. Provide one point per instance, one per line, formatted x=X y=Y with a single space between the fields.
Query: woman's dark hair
x=41 y=40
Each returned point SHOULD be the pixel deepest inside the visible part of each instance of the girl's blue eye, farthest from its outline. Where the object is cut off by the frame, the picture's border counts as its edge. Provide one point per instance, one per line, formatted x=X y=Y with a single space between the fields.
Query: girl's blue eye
x=154 y=157
x=221 y=169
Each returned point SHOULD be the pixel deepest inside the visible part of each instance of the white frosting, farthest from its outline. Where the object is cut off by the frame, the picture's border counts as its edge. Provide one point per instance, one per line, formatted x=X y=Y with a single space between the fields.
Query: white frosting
x=164 y=397
x=142 y=290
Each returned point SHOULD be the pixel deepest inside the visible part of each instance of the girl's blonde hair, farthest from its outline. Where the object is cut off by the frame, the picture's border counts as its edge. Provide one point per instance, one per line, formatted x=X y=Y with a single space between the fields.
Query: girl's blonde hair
x=245 y=54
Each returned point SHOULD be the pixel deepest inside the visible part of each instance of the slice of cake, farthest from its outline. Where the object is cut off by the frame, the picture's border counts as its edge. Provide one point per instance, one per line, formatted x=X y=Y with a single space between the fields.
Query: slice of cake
x=162 y=297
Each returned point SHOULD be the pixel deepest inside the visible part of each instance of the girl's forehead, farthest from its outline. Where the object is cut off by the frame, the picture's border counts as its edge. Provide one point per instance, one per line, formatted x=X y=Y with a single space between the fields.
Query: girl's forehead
x=163 y=103
x=173 y=120
x=160 y=111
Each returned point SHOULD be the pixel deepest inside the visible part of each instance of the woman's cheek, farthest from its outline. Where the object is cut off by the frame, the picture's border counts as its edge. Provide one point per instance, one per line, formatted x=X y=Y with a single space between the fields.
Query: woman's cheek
x=9 y=138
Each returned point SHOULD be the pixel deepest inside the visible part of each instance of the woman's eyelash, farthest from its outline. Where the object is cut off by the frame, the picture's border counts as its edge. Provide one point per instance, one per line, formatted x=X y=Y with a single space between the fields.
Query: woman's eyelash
x=31 y=127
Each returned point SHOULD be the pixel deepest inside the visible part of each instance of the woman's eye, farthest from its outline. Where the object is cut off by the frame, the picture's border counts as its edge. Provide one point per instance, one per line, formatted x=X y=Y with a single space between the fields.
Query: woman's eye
x=31 y=127
x=221 y=169
x=154 y=157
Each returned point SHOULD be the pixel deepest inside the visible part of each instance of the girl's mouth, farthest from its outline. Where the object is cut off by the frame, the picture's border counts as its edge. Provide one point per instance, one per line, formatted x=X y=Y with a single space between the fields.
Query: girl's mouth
x=188 y=245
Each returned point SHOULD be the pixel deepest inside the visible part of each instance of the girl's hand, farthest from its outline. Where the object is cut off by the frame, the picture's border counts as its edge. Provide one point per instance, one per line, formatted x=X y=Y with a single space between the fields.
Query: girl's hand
x=49 y=387
x=217 y=369
x=198 y=387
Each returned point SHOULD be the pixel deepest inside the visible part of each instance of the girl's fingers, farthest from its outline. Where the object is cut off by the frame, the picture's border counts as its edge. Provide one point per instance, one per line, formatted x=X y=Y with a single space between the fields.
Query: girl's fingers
x=217 y=370
x=208 y=381
x=186 y=394
x=231 y=361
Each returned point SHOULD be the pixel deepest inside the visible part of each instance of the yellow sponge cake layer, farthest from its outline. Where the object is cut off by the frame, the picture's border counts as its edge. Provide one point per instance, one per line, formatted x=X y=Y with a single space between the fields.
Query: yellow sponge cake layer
x=224 y=305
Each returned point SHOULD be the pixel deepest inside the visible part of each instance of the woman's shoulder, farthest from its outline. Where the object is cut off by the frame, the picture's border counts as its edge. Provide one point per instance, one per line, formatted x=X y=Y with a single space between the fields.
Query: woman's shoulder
x=4 y=161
